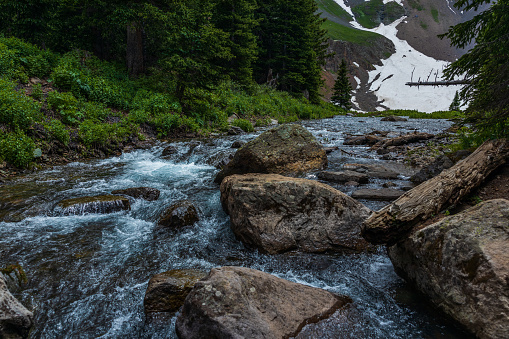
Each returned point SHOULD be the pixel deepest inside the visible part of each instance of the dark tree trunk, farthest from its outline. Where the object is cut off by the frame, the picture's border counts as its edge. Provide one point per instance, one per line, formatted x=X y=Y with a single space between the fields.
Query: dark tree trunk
x=134 y=55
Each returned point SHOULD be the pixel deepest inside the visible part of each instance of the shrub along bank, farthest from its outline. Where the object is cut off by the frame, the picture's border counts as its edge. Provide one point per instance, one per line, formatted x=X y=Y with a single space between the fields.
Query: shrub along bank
x=54 y=105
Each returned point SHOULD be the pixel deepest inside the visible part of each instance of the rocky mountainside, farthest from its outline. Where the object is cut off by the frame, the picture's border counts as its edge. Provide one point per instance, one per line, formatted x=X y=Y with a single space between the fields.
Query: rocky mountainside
x=402 y=45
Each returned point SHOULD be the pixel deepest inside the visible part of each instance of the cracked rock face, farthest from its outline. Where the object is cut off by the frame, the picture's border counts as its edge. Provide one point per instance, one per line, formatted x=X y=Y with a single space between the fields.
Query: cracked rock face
x=287 y=149
x=238 y=302
x=15 y=319
x=277 y=214
x=462 y=264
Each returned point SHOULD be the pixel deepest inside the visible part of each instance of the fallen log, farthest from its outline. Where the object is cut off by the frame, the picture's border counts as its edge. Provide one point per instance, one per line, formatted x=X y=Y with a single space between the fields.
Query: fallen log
x=402 y=140
x=395 y=221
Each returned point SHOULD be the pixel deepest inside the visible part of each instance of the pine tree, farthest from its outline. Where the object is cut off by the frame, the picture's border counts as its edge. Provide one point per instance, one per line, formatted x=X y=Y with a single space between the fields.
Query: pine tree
x=486 y=65
x=292 y=45
x=455 y=104
x=342 y=94
x=237 y=19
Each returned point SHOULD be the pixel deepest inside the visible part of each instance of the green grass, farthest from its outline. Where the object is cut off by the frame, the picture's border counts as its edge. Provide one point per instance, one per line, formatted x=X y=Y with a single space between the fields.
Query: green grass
x=369 y=13
x=424 y=25
x=434 y=13
x=415 y=4
x=339 y=32
x=331 y=7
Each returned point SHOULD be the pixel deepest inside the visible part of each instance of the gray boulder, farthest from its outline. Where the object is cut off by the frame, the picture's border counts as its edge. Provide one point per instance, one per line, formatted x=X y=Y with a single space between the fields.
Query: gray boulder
x=277 y=214
x=180 y=214
x=167 y=291
x=238 y=302
x=393 y=118
x=432 y=170
x=462 y=264
x=15 y=319
x=286 y=149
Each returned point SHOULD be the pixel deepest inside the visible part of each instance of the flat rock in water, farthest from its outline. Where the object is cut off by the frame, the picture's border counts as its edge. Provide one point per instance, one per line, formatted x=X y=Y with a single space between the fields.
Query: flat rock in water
x=147 y=193
x=169 y=150
x=238 y=302
x=287 y=149
x=462 y=264
x=15 y=319
x=393 y=118
x=373 y=171
x=277 y=214
x=167 y=291
x=97 y=204
x=180 y=214
x=384 y=194
x=343 y=176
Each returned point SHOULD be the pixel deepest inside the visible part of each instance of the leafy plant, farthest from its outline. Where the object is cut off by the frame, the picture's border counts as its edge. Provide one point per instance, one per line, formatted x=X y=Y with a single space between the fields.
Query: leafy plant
x=246 y=125
x=17 y=148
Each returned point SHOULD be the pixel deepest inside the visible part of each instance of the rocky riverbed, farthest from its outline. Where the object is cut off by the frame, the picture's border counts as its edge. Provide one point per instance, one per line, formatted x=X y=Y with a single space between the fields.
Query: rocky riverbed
x=88 y=273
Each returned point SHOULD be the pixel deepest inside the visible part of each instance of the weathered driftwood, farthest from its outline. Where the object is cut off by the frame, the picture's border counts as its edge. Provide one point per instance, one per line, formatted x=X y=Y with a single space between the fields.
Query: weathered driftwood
x=393 y=222
x=402 y=140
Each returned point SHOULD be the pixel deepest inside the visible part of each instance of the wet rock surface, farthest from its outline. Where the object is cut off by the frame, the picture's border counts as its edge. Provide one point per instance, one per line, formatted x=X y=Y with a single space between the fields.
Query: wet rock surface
x=384 y=194
x=146 y=193
x=287 y=149
x=167 y=291
x=97 y=204
x=238 y=302
x=15 y=319
x=180 y=214
x=277 y=214
x=462 y=264
x=393 y=118
x=343 y=176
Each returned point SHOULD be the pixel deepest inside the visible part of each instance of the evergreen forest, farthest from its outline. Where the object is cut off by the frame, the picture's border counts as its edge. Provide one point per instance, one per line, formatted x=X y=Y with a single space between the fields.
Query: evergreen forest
x=90 y=76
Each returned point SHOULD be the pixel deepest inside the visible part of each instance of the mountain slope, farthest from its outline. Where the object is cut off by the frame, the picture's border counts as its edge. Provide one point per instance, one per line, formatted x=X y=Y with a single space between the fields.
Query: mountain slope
x=411 y=27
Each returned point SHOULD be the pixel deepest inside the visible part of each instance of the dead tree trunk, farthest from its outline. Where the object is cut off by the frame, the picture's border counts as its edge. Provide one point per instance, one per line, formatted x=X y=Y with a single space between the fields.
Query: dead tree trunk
x=395 y=221
x=134 y=51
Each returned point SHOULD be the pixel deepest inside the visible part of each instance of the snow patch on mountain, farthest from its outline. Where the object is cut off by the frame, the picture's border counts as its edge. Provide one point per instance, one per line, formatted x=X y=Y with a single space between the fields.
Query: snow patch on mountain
x=388 y=81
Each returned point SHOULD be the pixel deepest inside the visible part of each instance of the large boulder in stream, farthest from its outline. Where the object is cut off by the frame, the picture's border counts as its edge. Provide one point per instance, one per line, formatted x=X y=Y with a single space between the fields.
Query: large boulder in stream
x=276 y=214
x=462 y=264
x=287 y=149
x=167 y=291
x=180 y=214
x=238 y=302
x=146 y=193
x=15 y=319
x=96 y=204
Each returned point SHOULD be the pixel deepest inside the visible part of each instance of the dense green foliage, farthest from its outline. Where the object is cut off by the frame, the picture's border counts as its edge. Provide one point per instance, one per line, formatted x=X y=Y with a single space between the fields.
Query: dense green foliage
x=95 y=104
x=486 y=66
x=342 y=90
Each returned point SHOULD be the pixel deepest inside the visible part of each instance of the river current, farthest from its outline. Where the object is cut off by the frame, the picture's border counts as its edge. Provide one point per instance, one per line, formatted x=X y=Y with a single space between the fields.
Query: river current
x=87 y=274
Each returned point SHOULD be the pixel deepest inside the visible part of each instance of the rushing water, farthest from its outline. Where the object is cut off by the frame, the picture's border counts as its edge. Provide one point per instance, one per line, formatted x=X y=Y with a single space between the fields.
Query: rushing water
x=87 y=274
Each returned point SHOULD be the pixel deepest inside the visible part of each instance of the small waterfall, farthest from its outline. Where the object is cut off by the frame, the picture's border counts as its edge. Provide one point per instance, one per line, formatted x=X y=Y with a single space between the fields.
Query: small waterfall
x=96 y=205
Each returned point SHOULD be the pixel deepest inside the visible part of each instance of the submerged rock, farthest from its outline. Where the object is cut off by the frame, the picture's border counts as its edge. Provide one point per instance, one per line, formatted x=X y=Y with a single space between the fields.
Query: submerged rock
x=462 y=264
x=286 y=149
x=393 y=118
x=180 y=214
x=147 y=193
x=167 y=291
x=15 y=319
x=238 y=302
x=277 y=214
x=97 y=204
